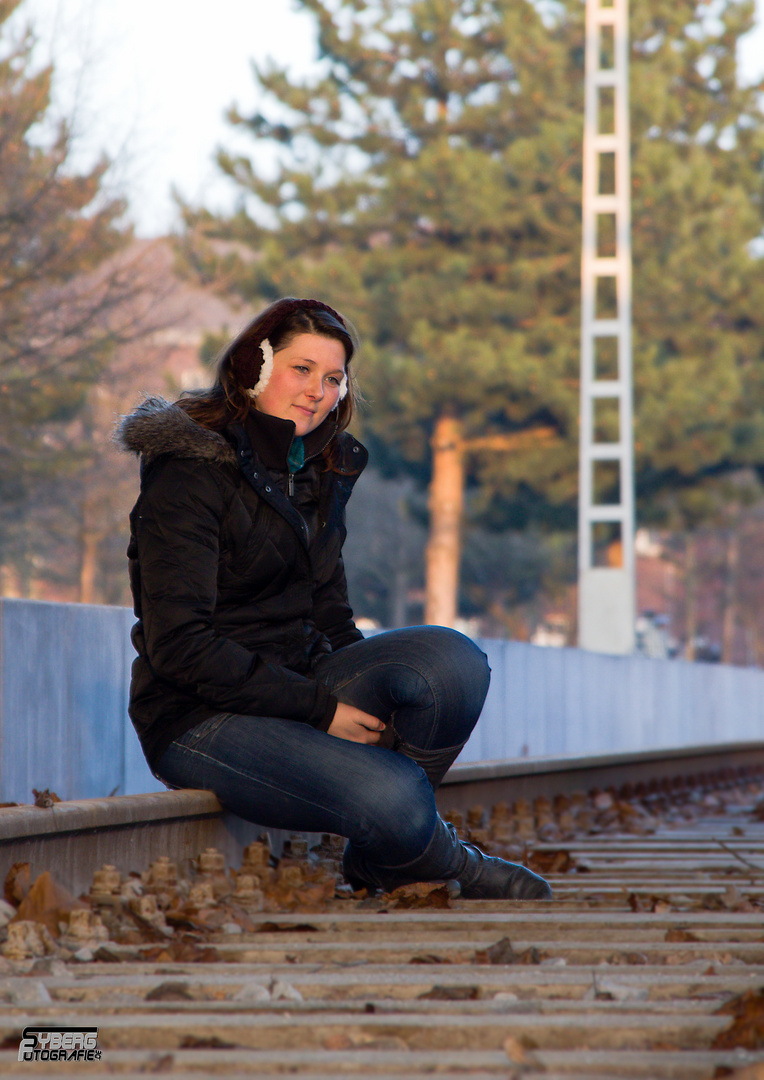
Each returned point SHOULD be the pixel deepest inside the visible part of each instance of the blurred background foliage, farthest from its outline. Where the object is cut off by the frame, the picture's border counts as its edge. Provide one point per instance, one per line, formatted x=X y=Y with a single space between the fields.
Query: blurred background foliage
x=429 y=186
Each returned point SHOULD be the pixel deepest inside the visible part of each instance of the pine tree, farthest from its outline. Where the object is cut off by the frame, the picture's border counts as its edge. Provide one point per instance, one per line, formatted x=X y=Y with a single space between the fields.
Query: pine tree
x=429 y=186
x=58 y=298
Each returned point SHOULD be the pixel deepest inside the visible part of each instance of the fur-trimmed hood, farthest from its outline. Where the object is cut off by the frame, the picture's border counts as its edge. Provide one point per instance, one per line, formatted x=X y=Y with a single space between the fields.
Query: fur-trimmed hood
x=159 y=427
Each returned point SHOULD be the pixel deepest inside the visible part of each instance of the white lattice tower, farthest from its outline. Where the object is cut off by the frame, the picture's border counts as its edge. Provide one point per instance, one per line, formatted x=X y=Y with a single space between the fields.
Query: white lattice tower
x=606 y=528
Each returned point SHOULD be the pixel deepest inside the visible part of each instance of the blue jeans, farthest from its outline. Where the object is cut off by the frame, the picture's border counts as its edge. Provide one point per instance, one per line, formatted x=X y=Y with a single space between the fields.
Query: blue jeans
x=429 y=680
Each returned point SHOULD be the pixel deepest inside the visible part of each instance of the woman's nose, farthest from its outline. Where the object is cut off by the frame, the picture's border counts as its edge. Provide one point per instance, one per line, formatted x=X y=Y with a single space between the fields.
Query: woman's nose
x=316 y=388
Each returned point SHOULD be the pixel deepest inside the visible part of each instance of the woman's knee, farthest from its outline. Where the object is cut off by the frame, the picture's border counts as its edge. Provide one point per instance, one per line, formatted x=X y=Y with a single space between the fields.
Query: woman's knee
x=459 y=668
x=464 y=657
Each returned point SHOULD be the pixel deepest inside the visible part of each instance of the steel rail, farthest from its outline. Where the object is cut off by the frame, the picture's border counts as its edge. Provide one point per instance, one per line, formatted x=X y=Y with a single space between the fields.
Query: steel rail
x=73 y=838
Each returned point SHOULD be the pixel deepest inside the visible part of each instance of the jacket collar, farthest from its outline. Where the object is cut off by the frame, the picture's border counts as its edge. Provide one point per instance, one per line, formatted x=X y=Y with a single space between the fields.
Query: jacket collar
x=158 y=427
x=271 y=438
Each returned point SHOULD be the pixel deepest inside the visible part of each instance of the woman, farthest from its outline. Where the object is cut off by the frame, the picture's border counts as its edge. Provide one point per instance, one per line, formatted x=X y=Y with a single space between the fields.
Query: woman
x=251 y=678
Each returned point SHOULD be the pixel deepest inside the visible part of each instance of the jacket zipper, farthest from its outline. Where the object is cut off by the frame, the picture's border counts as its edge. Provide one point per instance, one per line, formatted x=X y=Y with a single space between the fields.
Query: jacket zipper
x=290 y=476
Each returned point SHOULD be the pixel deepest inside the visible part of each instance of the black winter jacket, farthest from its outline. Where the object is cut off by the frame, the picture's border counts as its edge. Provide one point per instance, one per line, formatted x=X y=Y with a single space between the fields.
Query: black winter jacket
x=236 y=571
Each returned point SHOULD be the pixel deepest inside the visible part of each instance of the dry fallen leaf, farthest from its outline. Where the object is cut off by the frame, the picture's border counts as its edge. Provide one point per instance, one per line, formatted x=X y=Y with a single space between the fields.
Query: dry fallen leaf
x=210 y=1042
x=48 y=902
x=551 y=862
x=11 y=1041
x=531 y=956
x=170 y=991
x=286 y=928
x=627 y=958
x=749 y=1072
x=452 y=993
x=183 y=951
x=520 y=1051
x=747 y=1028
x=657 y=905
x=421 y=895
x=678 y=933
x=45 y=798
x=159 y=1063
x=17 y=883
x=500 y=953
x=338 y=1041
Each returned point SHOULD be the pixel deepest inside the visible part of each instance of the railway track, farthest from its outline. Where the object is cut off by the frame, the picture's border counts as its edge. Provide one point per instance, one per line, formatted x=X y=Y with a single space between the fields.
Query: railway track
x=648 y=964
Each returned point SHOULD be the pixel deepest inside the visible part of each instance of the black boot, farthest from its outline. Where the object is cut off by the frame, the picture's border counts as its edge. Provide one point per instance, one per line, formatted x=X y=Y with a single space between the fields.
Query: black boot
x=489 y=878
x=447 y=858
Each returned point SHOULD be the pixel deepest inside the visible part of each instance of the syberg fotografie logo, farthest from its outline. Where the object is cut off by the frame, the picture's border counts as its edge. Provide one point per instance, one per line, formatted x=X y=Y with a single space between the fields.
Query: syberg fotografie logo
x=59 y=1044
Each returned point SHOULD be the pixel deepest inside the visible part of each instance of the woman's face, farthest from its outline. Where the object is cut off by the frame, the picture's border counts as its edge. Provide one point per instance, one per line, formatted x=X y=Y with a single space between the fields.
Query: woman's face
x=305 y=383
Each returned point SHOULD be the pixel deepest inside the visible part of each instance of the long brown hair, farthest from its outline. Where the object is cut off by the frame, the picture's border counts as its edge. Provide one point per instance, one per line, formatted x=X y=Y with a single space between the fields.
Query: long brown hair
x=238 y=367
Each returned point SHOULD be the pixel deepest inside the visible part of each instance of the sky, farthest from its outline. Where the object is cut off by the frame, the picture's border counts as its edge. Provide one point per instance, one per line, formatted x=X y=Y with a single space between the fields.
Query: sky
x=150 y=81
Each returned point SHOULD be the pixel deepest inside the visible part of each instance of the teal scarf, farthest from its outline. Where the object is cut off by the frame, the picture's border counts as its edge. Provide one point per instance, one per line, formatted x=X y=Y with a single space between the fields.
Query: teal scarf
x=296 y=458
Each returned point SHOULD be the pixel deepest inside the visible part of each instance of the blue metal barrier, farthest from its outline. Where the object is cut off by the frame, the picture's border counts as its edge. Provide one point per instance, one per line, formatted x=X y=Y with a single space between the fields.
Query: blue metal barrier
x=65 y=669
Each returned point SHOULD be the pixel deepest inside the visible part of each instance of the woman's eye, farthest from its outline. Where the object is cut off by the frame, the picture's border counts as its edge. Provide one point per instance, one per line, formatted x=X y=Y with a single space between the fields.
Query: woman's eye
x=333 y=379
x=301 y=368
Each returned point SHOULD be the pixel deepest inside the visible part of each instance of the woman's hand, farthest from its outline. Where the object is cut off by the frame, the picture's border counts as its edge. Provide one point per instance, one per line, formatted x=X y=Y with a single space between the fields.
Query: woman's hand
x=356 y=726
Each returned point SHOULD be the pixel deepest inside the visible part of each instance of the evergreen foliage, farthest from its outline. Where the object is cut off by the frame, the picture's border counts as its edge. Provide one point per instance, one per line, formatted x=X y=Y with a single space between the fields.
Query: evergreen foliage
x=429 y=185
x=57 y=228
